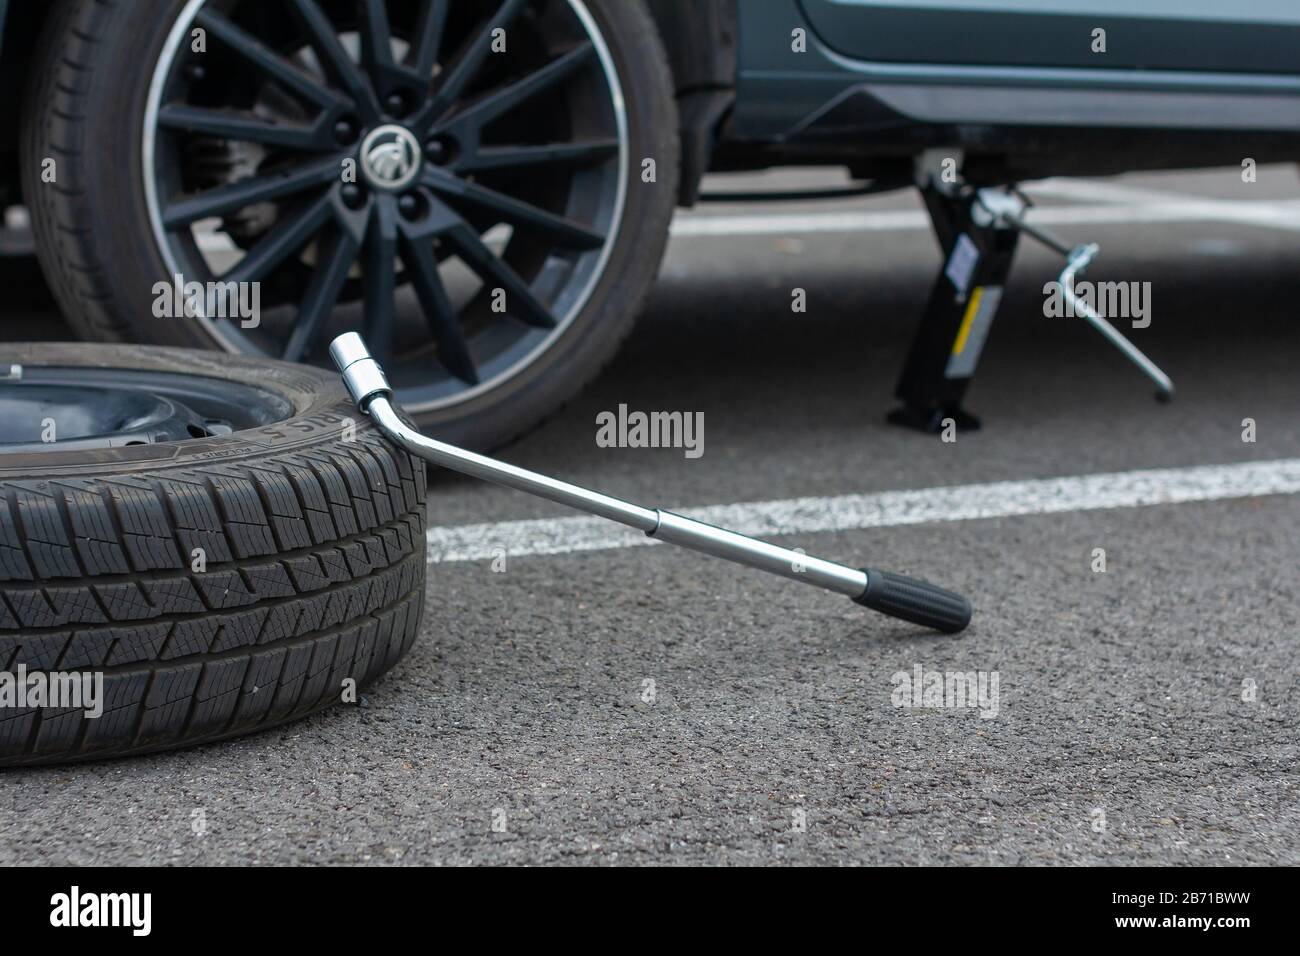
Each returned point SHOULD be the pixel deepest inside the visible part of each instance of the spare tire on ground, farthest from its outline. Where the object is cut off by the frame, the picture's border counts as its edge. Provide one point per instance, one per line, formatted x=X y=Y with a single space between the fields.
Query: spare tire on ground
x=192 y=546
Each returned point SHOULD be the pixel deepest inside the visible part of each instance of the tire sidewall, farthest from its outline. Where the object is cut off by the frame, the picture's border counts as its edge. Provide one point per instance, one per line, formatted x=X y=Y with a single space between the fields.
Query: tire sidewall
x=110 y=171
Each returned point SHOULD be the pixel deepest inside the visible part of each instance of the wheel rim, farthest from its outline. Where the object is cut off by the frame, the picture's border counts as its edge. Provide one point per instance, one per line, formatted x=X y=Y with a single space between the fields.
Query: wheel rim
x=484 y=194
x=56 y=407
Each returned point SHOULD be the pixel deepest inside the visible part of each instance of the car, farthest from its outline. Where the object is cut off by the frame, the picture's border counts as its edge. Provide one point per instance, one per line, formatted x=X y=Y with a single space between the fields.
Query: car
x=485 y=187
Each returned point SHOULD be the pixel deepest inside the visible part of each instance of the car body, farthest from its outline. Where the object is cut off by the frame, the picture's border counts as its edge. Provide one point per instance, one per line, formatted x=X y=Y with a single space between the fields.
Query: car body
x=1016 y=84
x=1016 y=89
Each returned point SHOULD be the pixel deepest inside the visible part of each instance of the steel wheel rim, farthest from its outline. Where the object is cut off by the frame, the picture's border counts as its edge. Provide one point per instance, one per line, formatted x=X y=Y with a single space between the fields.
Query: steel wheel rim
x=86 y=406
x=579 y=271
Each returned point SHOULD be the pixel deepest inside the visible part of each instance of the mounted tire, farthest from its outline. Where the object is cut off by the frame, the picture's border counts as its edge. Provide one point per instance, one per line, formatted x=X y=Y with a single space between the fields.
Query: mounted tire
x=219 y=585
x=492 y=286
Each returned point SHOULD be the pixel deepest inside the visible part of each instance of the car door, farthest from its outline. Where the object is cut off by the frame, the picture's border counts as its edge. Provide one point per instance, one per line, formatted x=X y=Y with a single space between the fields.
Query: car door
x=1202 y=36
x=1153 y=64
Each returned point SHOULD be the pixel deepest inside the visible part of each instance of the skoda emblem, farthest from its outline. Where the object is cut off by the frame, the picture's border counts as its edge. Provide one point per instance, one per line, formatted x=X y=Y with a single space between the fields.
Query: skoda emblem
x=390 y=157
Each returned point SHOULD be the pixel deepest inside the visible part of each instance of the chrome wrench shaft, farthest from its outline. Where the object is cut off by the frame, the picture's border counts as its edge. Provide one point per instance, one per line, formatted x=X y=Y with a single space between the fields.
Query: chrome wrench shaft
x=906 y=598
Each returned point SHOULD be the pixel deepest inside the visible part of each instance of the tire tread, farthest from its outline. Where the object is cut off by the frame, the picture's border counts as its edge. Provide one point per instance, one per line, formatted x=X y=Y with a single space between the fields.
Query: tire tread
x=95 y=576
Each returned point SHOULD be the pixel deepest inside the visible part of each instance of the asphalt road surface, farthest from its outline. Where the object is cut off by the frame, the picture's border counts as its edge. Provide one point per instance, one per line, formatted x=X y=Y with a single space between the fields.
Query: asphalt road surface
x=613 y=704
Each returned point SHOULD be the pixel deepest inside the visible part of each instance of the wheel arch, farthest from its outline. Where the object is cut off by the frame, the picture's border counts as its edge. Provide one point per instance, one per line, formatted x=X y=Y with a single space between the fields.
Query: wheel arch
x=701 y=40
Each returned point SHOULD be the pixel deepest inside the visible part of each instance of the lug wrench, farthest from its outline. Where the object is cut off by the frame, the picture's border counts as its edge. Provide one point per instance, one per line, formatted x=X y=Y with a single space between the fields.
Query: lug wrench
x=911 y=600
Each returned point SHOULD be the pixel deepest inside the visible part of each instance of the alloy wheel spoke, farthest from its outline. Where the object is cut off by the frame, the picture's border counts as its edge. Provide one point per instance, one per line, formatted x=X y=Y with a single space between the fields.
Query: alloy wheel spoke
x=334 y=58
x=336 y=251
x=504 y=99
x=558 y=229
x=379 y=267
x=240 y=126
x=422 y=268
x=466 y=242
x=266 y=59
x=467 y=63
x=376 y=41
x=514 y=157
x=245 y=192
x=424 y=52
x=282 y=240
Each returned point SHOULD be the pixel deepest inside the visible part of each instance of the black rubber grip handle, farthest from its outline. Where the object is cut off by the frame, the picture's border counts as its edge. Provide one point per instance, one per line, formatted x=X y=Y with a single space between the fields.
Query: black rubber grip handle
x=916 y=601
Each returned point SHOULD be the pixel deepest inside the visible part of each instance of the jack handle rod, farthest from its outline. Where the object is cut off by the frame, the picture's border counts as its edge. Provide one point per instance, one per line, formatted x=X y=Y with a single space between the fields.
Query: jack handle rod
x=1077 y=261
x=1005 y=208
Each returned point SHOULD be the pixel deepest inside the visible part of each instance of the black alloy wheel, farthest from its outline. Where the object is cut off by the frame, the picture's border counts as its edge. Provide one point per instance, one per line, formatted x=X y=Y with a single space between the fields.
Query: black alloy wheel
x=457 y=180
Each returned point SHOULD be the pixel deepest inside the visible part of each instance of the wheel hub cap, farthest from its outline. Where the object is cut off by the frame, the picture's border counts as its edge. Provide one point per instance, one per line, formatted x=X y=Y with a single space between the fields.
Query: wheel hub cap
x=390 y=157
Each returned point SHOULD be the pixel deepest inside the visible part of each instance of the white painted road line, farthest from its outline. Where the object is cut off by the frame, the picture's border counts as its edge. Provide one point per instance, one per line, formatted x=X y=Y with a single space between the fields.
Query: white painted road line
x=999 y=499
x=1280 y=214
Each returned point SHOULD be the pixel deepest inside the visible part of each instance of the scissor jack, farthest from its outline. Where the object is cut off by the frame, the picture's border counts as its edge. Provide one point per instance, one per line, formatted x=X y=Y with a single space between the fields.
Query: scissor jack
x=978 y=230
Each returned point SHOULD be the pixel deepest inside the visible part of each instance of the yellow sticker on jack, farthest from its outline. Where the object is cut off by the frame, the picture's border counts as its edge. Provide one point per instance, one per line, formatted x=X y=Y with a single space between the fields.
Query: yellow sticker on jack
x=972 y=332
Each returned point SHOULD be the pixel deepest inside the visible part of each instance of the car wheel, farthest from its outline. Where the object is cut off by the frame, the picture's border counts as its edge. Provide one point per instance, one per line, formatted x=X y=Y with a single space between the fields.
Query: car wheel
x=461 y=181
x=221 y=544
